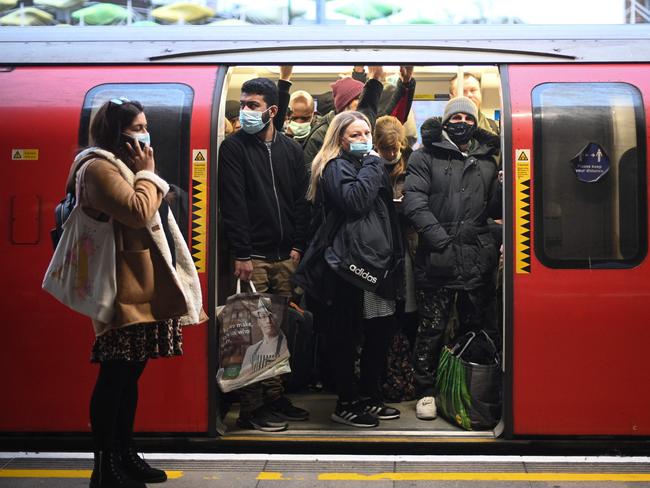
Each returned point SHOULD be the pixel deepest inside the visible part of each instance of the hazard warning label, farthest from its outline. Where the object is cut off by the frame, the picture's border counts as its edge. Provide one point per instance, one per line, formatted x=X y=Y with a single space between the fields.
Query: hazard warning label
x=522 y=162
x=199 y=164
x=24 y=154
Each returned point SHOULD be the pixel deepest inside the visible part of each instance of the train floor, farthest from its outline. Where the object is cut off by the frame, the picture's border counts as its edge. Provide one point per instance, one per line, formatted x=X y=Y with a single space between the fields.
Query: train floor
x=321 y=405
x=72 y=470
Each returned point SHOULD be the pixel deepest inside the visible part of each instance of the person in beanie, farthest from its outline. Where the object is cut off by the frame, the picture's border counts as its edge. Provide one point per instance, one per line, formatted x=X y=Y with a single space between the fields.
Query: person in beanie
x=348 y=94
x=472 y=90
x=451 y=188
x=352 y=94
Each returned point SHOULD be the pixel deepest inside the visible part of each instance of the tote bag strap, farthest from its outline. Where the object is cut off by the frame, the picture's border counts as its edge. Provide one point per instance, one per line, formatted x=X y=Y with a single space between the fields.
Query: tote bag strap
x=469 y=341
x=250 y=282
x=79 y=178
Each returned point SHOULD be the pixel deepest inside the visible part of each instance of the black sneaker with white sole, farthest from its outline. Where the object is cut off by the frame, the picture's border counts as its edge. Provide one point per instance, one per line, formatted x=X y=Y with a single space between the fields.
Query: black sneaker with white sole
x=354 y=414
x=283 y=408
x=262 y=419
x=380 y=410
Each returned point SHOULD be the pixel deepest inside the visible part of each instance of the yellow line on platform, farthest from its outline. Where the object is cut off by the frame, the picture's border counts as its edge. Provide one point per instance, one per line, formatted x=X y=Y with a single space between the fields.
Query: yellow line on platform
x=62 y=473
x=474 y=476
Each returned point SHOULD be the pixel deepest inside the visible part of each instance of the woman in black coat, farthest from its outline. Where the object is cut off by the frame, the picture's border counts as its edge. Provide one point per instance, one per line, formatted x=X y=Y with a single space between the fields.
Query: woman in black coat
x=353 y=264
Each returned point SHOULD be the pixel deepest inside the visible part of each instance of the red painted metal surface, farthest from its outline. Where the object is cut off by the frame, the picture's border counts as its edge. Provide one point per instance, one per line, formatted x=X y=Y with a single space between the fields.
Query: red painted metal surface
x=580 y=336
x=47 y=376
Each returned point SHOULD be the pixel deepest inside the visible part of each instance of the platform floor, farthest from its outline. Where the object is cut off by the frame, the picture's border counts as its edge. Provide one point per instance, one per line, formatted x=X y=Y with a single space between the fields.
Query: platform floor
x=51 y=470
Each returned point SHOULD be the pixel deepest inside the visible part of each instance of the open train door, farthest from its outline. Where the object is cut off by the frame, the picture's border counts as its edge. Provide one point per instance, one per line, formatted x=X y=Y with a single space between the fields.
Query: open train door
x=579 y=279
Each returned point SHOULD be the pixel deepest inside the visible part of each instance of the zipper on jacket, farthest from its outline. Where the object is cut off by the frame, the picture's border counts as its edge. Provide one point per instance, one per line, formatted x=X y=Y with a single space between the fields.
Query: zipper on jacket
x=277 y=200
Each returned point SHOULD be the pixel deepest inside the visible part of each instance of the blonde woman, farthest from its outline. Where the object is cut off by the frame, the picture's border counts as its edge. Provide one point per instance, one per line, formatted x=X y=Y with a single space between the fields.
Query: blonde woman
x=355 y=274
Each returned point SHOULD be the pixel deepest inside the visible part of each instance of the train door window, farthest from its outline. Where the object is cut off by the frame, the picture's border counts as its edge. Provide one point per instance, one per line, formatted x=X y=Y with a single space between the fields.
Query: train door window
x=168 y=108
x=590 y=198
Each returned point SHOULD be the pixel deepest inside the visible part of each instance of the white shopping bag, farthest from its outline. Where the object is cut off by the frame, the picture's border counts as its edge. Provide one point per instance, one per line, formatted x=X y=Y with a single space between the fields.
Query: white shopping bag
x=81 y=274
x=252 y=344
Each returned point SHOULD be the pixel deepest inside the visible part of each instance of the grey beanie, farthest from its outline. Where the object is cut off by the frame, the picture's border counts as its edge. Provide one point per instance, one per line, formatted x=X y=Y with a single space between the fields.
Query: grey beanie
x=459 y=105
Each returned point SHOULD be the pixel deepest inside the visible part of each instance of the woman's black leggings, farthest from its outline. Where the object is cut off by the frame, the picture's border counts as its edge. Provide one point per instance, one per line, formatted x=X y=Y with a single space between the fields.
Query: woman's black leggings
x=113 y=403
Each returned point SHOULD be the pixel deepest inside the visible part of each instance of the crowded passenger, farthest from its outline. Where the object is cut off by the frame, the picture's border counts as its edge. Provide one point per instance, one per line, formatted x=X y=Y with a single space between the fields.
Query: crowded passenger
x=472 y=90
x=296 y=114
x=451 y=189
x=302 y=117
x=354 y=284
x=232 y=114
x=262 y=188
x=351 y=94
x=392 y=145
x=158 y=289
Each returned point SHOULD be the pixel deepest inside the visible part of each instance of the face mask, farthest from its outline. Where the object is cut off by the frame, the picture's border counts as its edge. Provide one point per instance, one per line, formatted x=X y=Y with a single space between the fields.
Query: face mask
x=141 y=138
x=252 y=122
x=393 y=162
x=460 y=132
x=299 y=130
x=359 y=149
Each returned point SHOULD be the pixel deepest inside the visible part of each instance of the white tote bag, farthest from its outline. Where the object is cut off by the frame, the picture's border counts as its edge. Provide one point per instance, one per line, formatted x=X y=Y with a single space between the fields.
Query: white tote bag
x=81 y=274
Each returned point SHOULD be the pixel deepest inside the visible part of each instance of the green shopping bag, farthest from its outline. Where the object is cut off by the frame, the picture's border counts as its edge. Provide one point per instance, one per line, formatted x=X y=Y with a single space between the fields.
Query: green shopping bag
x=468 y=382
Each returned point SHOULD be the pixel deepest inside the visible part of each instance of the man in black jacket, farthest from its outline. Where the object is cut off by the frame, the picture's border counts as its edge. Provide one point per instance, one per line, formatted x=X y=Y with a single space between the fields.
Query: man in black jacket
x=451 y=189
x=262 y=188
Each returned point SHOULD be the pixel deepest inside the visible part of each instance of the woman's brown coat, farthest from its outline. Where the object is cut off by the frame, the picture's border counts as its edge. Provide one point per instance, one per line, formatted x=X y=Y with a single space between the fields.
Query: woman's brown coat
x=149 y=288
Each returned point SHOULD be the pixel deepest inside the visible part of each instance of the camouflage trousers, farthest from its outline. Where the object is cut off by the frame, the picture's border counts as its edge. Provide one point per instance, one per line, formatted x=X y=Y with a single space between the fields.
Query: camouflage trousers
x=439 y=311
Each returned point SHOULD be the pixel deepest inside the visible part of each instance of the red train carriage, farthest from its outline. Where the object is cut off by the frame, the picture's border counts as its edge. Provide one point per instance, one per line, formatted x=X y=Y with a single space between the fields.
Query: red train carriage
x=577 y=278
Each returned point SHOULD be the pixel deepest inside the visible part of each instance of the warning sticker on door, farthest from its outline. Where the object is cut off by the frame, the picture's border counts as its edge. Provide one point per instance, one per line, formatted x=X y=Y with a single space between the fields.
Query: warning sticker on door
x=199 y=208
x=199 y=164
x=24 y=154
x=522 y=164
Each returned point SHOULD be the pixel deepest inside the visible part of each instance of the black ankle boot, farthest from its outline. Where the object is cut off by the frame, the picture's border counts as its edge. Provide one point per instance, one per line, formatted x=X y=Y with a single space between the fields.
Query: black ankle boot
x=108 y=473
x=138 y=469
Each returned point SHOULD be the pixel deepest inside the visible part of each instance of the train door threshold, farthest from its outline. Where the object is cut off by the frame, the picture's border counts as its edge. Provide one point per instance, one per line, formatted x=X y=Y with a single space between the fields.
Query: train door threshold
x=320 y=427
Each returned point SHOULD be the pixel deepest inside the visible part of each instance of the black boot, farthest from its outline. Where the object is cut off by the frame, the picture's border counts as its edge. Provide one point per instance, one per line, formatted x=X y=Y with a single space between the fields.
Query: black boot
x=138 y=469
x=108 y=473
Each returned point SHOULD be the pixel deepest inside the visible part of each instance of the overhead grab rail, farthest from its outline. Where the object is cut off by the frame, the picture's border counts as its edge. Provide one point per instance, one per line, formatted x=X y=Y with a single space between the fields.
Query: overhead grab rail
x=378 y=47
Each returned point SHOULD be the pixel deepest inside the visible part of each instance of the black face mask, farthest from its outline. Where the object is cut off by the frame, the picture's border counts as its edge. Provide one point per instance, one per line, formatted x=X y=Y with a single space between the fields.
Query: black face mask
x=460 y=132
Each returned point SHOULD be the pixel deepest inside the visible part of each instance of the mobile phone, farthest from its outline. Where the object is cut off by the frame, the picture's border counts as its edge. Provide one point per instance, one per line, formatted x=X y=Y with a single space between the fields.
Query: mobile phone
x=131 y=140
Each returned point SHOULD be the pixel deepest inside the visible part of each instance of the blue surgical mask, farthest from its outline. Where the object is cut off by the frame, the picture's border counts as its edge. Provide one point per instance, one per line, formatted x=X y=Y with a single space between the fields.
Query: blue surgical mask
x=140 y=137
x=359 y=149
x=251 y=120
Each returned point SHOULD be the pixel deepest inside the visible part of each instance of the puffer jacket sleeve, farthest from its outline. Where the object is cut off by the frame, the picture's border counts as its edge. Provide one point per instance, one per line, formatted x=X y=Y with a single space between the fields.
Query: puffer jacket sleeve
x=350 y=192
x=416 y=203
x=106 y=190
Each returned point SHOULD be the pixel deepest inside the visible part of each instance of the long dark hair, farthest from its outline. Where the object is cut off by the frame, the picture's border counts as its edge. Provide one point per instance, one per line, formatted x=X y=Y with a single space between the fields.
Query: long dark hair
x=109 y=123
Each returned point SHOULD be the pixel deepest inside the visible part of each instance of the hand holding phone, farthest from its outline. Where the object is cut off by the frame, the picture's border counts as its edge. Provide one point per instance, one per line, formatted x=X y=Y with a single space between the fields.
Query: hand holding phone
x=141 y=154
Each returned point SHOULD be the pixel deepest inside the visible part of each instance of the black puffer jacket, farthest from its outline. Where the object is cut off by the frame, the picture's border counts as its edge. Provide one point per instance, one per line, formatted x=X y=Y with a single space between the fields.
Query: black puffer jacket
x=447 y=198
x=352 y=189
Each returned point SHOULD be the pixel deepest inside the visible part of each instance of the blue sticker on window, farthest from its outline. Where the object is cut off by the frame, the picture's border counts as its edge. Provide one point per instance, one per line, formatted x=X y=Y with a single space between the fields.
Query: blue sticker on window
x=591 y=164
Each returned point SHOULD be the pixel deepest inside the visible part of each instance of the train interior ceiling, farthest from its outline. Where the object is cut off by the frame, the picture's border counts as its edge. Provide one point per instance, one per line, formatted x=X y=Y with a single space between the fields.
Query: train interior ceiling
x=431 y=92
x=431 y=95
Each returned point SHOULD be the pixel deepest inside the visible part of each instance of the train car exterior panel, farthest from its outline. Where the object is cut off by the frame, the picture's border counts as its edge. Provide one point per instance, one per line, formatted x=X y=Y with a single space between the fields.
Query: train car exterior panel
x=47 y=347
x=580 y=332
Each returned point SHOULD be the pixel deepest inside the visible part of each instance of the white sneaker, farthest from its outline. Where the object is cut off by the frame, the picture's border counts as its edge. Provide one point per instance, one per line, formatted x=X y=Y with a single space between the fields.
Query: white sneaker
x=425 y=409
